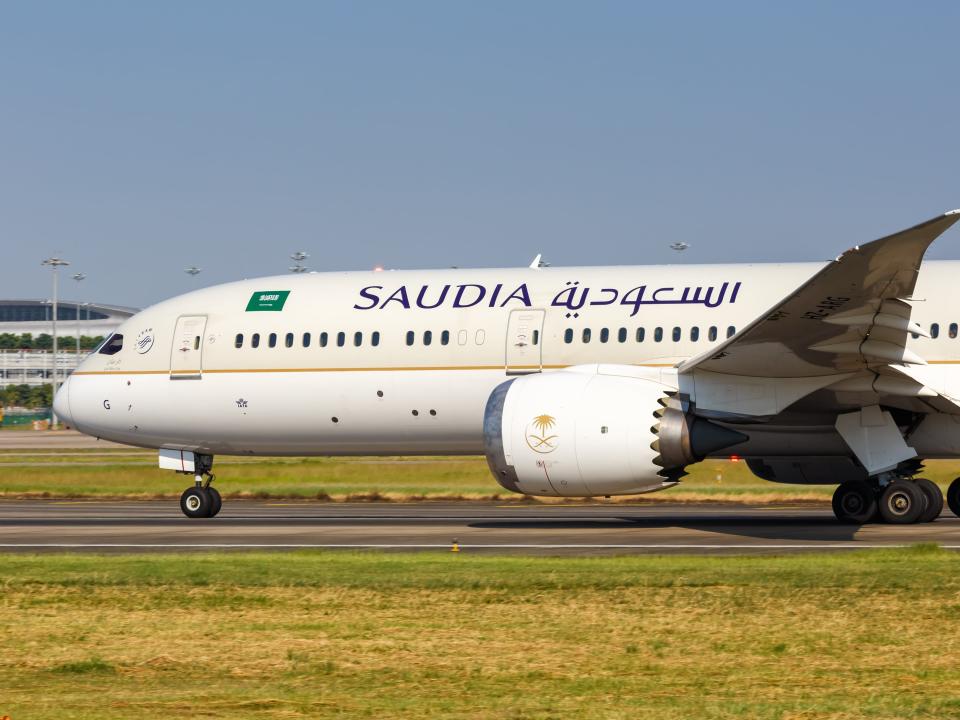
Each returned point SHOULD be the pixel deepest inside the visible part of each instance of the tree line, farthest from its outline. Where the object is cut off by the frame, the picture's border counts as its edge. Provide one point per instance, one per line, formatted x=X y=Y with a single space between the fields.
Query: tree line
x=27 y=396
x=44 y=341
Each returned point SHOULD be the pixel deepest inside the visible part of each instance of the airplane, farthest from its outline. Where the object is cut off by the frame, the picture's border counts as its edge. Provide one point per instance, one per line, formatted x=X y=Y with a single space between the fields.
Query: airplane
x=572 y=381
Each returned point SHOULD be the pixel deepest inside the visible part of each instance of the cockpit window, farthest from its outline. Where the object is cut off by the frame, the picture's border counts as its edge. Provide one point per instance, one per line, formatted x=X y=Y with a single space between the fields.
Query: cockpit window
x=112 y=345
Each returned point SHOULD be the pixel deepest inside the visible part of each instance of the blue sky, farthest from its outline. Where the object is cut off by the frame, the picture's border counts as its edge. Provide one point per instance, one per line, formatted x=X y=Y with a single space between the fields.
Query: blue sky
x=137 y=139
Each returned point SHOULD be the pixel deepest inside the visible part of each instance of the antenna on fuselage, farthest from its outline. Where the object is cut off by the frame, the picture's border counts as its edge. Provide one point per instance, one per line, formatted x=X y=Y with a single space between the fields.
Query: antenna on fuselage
x=539 y=262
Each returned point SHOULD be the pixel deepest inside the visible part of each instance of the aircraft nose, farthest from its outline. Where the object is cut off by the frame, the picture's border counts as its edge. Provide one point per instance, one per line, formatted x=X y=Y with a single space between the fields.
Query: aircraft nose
x=61 y=404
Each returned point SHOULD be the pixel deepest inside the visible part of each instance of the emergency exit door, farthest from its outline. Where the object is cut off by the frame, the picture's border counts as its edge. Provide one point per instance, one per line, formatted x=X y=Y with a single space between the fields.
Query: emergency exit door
x=186 y=356
x=524 y=342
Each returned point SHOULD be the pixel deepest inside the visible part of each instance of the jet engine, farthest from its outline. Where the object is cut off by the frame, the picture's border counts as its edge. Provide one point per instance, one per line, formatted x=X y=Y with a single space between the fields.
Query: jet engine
x=594 y=430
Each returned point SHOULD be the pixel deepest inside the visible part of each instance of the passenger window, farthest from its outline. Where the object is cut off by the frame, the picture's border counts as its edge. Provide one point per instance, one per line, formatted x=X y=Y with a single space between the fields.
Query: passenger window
x=622 y=335
x=306 y=339
x=375 y=338
x=712 y=333
x=568 y=336
x=586 y=335
x=273 y=340
x=604 y=335
x=694 y=334
x=341 y=338
x=196 y=342
x=536 y=337
x=462 y=337
x=288 y=341
x=427 y=337
x=113 y=345
x=323 y=339
x=953 y=330
x=676 y=334
x=731 y=331
x=934 y=330
x=445 y=337
x=409 y=337
x=238 y=341
x=658 y=334
x=357 y=339
x=641 y=334
x=481 y=336
x=255 y=340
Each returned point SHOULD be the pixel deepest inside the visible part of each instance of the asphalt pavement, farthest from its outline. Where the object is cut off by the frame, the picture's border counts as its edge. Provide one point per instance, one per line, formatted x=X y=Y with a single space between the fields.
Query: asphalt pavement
x=587 y=529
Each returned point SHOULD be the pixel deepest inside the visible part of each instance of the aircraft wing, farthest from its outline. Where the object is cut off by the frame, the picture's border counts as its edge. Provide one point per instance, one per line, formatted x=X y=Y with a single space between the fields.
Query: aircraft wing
x=853 y=314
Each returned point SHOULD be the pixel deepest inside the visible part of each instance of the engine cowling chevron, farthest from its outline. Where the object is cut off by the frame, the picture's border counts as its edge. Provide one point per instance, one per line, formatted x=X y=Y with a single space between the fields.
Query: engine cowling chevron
x=582 y=431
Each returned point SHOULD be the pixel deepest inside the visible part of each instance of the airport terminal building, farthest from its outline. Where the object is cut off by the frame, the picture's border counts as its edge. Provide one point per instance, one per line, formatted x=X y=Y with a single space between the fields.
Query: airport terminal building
x=35 y=317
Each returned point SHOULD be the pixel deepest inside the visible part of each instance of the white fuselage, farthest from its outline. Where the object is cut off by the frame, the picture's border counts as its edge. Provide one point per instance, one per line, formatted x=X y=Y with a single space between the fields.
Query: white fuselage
x=404 y=361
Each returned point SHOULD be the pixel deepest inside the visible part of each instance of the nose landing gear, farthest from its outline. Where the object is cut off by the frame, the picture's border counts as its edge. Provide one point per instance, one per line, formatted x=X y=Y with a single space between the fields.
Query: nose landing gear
x=202 y=500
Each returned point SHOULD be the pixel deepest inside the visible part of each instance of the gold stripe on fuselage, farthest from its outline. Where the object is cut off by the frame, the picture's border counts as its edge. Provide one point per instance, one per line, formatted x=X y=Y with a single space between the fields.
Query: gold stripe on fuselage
x=436 y=368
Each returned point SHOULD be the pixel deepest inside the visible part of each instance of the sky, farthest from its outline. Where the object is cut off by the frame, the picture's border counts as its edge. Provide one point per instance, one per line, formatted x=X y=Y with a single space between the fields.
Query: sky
x=137 y=138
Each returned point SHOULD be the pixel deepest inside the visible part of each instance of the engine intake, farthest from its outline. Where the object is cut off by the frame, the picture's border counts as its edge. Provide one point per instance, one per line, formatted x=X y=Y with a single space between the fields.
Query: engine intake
x=587 y=431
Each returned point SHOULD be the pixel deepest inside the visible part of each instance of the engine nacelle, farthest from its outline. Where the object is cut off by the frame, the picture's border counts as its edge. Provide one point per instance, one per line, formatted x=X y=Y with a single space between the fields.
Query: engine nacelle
x=594 y=430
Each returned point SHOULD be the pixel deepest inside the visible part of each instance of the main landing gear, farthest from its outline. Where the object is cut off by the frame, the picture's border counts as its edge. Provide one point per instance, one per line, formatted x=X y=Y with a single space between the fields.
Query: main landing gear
x=953 y=497
x=899 y=502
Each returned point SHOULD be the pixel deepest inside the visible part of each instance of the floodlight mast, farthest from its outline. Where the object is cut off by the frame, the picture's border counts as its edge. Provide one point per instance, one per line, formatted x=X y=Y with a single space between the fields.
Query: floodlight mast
x=54 y=263
x=78 y=277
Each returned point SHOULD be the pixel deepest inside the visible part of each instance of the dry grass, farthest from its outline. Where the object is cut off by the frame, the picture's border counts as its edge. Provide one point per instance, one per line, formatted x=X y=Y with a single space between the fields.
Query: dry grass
x=418 y=636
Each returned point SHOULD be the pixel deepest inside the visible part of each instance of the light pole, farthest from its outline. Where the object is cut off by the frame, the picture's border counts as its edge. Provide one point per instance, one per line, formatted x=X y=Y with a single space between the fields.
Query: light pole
x=54 y=263
x=78 y=277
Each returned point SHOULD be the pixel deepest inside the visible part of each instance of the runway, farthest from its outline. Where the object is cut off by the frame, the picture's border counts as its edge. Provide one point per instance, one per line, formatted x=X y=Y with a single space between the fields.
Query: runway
x=54 y=440
x=155 y=526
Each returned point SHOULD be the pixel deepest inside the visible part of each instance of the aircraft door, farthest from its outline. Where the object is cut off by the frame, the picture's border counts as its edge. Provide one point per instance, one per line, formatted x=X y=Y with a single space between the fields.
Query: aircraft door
x=524 y=342
x=186 y=356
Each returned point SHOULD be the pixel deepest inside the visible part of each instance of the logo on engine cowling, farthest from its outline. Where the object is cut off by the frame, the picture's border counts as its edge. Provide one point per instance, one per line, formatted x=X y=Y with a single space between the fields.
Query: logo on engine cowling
x=539 y=435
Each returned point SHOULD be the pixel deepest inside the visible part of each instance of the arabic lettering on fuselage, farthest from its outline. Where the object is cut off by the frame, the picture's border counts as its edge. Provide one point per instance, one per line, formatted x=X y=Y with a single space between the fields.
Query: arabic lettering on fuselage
x=573 y=296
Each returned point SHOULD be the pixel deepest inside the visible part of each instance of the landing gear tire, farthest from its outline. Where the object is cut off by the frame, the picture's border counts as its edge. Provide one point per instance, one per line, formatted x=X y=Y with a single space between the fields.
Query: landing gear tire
x=196 y=502
x=854 y=502
x=902 y=503
x=953 y=497
x=934 y=499
x=216 y=502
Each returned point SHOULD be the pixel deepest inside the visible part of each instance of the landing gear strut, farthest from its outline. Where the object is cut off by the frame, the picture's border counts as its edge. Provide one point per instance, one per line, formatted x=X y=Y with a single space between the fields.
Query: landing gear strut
x=202 y=500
